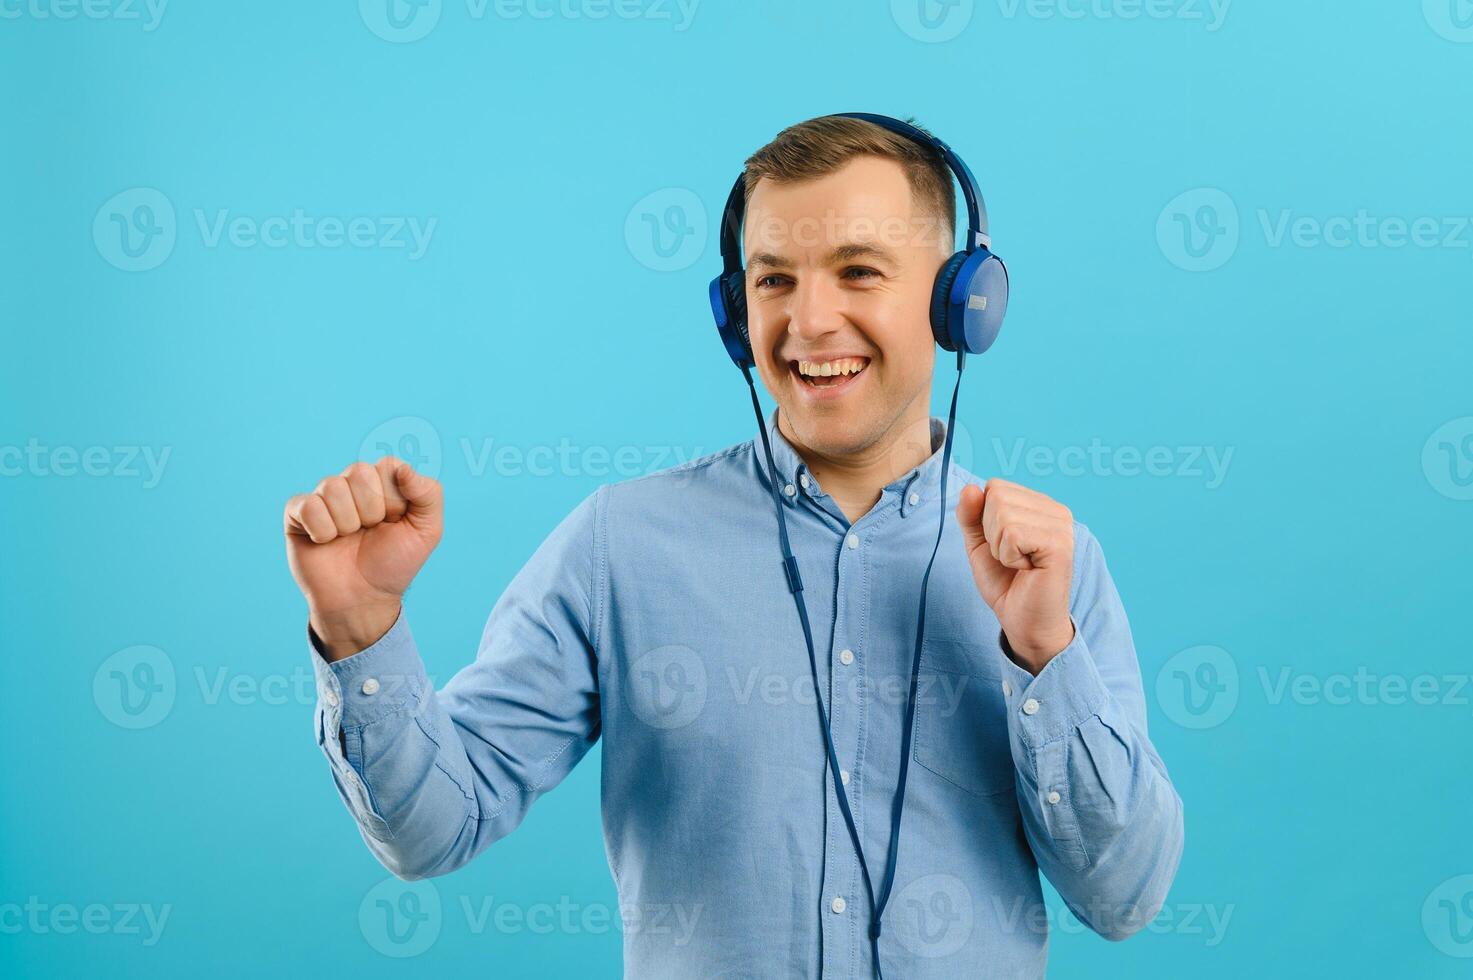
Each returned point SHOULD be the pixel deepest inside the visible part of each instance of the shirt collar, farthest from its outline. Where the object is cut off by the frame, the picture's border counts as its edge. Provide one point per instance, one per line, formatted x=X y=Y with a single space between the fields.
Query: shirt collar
x=913 y=488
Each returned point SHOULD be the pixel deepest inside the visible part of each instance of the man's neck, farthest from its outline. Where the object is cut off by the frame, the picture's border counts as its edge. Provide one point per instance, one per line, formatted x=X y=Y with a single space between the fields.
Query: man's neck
x=856 y=481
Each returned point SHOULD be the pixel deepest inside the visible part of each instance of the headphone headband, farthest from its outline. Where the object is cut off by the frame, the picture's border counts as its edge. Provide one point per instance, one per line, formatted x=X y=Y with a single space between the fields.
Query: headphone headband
x=977 y=235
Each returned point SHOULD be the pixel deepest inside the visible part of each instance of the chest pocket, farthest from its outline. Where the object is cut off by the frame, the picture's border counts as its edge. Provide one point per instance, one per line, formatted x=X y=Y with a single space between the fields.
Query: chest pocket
x=961 y=726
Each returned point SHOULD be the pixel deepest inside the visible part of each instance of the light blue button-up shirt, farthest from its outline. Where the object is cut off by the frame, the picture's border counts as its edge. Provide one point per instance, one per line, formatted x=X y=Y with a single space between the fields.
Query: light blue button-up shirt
x=657 y=616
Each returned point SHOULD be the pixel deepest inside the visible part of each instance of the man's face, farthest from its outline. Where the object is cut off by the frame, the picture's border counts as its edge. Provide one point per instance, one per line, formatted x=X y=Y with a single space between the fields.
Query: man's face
x=839 y=277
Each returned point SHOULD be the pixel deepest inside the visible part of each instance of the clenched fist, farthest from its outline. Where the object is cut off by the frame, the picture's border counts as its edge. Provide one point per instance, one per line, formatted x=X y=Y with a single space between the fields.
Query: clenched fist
x=355 y=543
x=1021 y=547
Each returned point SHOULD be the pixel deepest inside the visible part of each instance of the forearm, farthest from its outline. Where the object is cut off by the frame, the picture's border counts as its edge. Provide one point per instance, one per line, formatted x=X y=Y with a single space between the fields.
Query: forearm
x=1099 y=809
x=397 y=761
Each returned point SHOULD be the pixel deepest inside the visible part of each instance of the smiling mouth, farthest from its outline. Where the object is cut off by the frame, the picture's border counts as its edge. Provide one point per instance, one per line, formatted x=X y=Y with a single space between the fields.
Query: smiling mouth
x=838 y=373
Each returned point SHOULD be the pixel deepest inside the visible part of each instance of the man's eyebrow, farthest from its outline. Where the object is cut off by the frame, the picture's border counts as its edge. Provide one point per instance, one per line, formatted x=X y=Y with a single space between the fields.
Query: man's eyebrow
x=769 y=260
x=841 y=253
x=859 y=250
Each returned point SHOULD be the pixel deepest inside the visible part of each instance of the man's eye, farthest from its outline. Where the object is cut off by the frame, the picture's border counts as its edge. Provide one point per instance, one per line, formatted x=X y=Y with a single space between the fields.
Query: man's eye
x=768 y=282
x=859 y=271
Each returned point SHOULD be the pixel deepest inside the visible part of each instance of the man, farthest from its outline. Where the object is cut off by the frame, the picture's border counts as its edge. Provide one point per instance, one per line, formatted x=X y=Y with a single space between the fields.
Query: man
x=656 y=615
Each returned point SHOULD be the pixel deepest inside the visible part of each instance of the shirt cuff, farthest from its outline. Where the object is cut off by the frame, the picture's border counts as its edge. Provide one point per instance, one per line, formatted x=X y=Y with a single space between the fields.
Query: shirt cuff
x=1066 y=692
x=374 y=682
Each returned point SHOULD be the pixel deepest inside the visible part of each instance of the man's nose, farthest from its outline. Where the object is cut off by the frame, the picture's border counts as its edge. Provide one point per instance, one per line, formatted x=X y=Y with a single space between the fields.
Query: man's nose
x=817 y=309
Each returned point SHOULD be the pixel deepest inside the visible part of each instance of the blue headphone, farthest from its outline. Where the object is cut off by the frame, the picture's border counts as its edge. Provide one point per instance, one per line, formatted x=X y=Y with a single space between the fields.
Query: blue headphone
x=971 y=291
x=967 y=306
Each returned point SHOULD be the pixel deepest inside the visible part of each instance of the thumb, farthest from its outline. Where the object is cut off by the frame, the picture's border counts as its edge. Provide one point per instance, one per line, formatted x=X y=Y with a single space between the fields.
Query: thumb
x=424 y=495
x=993 y=577
x=969 y=516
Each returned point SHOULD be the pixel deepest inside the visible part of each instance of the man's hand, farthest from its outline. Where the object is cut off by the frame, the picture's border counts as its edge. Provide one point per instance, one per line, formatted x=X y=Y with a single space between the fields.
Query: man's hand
x=1021 y=546
x=355 y=543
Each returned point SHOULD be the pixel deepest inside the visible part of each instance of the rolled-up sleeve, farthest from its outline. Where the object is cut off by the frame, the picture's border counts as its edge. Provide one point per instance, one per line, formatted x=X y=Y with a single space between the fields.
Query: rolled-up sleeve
x=433 y=778
x=1099 y=808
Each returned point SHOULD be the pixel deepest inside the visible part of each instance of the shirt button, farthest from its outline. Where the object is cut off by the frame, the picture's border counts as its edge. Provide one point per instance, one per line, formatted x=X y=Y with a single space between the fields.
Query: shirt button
x=1030 y=707
x=844 y=776
x=1007 y=688
x=331 y=697
x=1053 y=796
x=803 y=479
x=790 y=490
x=352 y=777
x=852 y=541
x=370 y=686
x=914 y=498
x=838 y=905
x=846 y=657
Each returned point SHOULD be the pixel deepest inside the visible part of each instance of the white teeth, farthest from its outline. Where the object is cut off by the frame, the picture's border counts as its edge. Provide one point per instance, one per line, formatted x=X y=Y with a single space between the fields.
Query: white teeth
x=828 y=369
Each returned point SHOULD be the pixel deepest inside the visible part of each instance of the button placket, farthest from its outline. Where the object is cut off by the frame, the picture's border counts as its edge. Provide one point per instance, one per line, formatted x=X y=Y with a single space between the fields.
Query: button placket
x=842 y=878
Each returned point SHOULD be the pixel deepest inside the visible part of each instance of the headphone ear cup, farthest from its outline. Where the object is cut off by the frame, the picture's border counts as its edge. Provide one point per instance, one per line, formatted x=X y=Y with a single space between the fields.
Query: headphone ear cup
x=940 y=294
x=729 y=307
x=970 y=298
x=736 y=303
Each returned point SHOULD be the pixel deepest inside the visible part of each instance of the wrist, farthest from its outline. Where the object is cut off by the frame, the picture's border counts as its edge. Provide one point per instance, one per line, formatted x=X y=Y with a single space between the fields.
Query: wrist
x=1034 y=651
x=340 y=633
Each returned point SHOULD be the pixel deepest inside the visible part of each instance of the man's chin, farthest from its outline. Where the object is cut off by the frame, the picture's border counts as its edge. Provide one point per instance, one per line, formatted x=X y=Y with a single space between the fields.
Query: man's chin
x=832 y=435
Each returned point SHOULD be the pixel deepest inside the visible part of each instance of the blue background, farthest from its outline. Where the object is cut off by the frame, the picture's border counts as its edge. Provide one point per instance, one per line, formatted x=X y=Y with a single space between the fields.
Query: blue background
x=544 y=314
